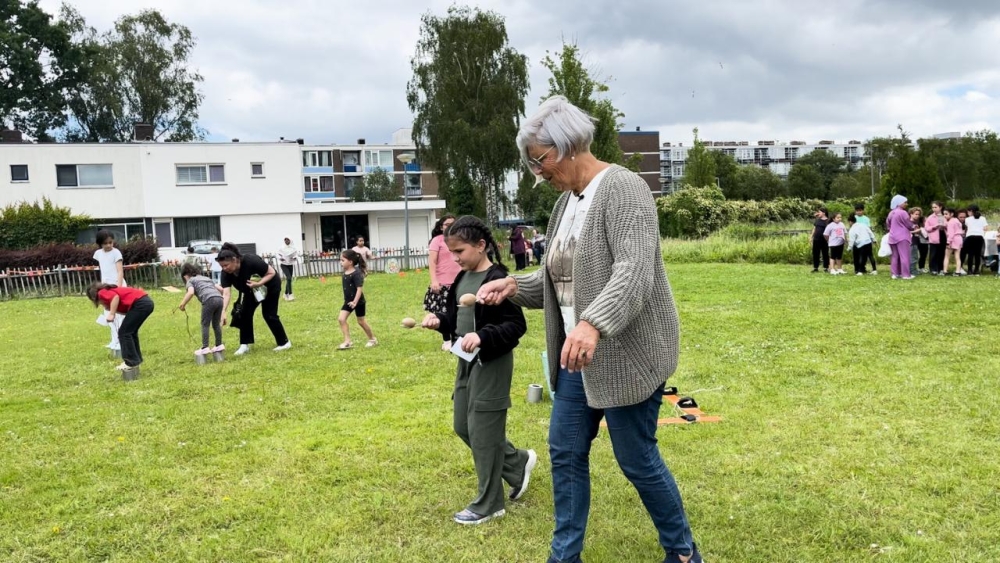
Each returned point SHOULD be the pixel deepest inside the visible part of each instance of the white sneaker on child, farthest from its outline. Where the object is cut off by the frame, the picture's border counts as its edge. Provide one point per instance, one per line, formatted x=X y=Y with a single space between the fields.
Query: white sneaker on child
x=243 y=349
x=284 y=346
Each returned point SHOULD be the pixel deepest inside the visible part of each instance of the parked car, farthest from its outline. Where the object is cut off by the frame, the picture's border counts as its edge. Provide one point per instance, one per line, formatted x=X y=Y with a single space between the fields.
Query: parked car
x=204 y=246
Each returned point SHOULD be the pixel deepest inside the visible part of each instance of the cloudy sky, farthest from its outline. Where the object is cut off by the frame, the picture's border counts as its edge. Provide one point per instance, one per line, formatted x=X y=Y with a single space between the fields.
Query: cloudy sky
x=334 y=71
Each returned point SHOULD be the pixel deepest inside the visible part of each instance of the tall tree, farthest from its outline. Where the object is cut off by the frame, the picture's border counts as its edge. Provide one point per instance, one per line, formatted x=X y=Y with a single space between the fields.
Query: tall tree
x=570 y=78
x=827 y=164
x=752 y=182
x=39 y=65
x=805 y=182
x=467 y=95
x=907 y=172
x=847 y=186
x=377 y=185
x=140 y=74
x=726 y=168
x=958 y=162
x=699 y=169
x=535 y=201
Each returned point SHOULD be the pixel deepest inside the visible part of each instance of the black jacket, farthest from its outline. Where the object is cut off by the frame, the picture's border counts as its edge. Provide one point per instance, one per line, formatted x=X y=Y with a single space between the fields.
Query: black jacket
x=499 y=327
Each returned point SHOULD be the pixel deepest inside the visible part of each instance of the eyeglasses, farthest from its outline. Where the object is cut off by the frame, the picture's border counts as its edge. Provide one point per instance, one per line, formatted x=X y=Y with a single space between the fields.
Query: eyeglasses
x=536 y=163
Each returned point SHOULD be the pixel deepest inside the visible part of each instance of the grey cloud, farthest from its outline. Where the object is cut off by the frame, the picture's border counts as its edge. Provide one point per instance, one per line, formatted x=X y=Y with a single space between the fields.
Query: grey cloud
x=805 y=67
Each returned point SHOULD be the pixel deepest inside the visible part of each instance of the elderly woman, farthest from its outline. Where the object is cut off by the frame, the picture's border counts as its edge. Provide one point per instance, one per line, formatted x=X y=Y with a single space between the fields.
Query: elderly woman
x=900 y=229
x=238 y=272
x=610 y=322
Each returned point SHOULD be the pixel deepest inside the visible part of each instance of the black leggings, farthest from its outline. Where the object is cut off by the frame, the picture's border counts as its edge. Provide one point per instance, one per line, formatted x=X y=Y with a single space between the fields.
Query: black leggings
x=820 y=247
x=937 y=256
x=269 y=307
x=974 y=246
x=128 y=333
x=861 y=254
x=922 y=248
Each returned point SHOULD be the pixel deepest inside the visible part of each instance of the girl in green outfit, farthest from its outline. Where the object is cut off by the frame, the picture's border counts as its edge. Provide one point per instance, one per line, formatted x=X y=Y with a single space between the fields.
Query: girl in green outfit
x=482 y=384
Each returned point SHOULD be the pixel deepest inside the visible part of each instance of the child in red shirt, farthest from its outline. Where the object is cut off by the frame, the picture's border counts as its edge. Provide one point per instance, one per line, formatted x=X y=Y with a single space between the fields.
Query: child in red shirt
x=132 y=302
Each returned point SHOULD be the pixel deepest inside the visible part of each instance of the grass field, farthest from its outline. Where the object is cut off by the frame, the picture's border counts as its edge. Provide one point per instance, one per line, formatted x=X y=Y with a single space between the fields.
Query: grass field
x=860 y=424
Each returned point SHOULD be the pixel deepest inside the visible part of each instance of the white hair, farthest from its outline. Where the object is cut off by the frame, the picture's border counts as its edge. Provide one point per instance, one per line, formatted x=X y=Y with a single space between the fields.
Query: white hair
x=557 y=123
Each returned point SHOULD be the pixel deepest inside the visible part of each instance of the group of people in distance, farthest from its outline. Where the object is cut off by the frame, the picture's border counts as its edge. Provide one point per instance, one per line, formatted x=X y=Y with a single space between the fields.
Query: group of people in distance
x=611 y=332
x=915 y=243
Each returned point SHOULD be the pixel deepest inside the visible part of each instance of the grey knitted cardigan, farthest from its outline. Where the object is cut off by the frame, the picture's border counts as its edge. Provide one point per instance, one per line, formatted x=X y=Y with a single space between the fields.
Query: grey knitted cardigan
x=620 y=287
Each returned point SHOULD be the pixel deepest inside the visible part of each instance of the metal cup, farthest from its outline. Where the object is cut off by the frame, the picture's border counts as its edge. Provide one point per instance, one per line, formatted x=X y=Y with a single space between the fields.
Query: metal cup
x=199 y=359
x=534 y=393
x=130 y=374
x=218 y=356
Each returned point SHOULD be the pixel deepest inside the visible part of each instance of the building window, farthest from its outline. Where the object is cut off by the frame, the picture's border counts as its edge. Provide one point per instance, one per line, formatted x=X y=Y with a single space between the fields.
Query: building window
x=123 y=229
x=350 y=182
x=257 y=169
x=381 y=159
x=318 y=183
x=201 y=174
x=316 y=158
x=84 y=176
x=18 y=172
x=187 y=229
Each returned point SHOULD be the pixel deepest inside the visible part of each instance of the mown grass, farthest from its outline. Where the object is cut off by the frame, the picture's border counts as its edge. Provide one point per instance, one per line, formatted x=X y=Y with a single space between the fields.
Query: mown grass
x=859 y=425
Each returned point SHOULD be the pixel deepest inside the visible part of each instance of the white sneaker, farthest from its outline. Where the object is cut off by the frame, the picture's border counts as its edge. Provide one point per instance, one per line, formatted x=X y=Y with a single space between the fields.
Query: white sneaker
x=284 y=346
x=859 y=274
x=291 y=297
x=243 y=349
x=528 y=466
x=874 y=273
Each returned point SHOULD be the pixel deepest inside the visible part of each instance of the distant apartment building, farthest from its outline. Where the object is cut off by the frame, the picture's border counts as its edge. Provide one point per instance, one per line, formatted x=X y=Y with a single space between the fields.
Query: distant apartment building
x=779 y=157
x=247 y=193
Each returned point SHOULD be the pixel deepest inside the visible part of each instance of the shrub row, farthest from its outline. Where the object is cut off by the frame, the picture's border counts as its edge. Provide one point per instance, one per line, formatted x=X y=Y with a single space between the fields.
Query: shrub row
x=25 y=225
x=136 y=251
x=699 y=212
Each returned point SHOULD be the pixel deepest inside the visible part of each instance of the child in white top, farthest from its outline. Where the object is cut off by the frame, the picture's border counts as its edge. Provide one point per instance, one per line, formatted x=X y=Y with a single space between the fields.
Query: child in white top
x=110 y=261
x=975 y=241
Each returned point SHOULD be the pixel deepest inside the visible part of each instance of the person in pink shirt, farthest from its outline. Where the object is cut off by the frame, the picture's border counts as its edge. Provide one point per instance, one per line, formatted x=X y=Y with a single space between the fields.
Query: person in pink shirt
x=935 y=226
x=954 y=234
x=443 y=269
x=900 y=230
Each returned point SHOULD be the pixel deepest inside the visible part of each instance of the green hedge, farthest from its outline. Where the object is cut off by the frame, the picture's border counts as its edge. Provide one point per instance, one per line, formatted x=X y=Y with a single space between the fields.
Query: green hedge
x=29 y=224
x=699 y=212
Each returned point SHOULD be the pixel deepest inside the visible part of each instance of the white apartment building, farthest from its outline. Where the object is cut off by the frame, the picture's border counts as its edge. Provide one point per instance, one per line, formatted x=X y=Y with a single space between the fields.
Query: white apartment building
x=246 y=193
x=776 y=156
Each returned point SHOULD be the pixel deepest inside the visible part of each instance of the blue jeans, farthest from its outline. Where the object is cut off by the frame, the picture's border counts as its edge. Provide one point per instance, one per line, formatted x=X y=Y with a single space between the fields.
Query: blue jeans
x=572 y=428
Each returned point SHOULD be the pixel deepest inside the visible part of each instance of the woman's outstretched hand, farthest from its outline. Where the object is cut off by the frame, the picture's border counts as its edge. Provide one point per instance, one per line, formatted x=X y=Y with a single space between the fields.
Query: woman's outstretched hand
x=494 y=292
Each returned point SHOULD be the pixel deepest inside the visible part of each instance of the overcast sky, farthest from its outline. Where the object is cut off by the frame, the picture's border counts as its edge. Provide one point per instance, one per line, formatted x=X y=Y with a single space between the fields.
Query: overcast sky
x=334 y=71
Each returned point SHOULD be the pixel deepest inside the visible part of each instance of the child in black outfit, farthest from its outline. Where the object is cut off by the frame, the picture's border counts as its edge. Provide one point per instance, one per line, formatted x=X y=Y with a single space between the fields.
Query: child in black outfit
x=354 y=298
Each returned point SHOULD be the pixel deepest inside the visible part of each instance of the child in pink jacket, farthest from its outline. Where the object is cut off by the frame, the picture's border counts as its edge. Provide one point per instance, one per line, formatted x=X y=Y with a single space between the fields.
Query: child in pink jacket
x=954 y=248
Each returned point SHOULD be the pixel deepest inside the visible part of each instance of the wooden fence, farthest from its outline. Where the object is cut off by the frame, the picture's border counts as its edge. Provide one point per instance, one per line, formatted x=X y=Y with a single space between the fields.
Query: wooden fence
x=74 y=280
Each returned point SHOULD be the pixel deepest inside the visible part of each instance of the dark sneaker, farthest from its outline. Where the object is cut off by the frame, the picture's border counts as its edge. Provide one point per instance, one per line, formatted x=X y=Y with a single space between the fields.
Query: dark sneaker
x=695 y=556
x=518 y=492
x=468 y=517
